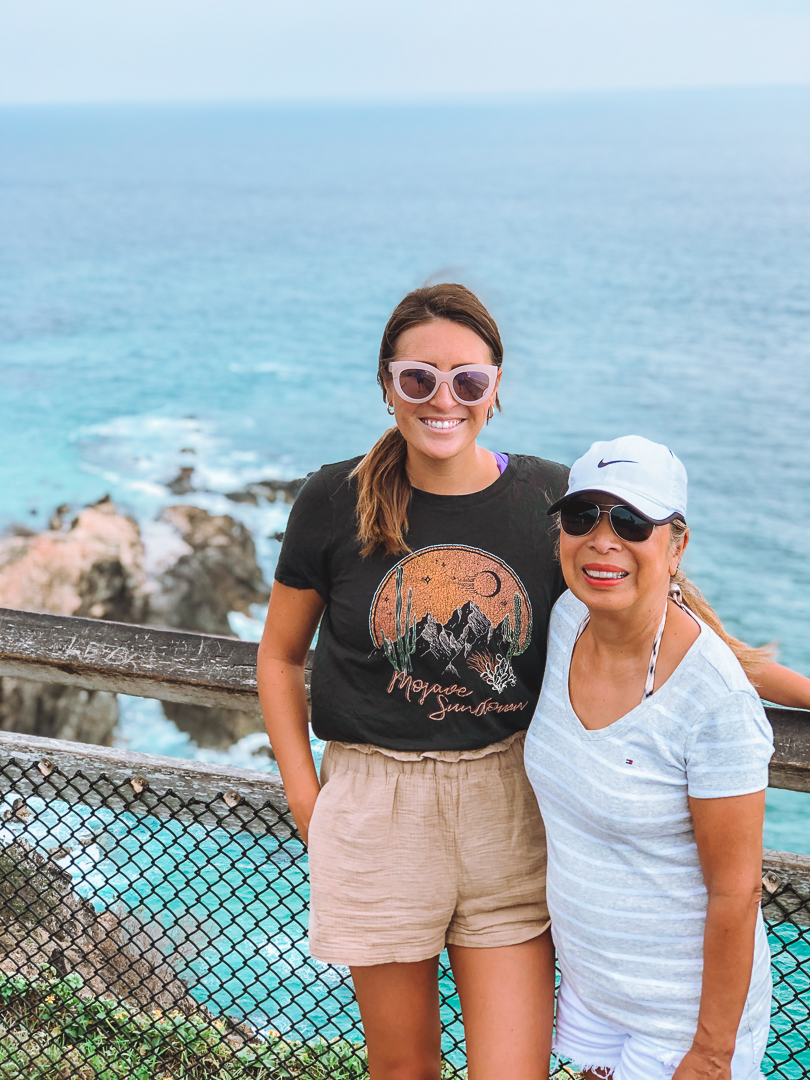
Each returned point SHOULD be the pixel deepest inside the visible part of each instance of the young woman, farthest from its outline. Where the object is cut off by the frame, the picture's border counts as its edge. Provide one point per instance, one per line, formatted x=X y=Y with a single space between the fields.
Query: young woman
x=431 y=567
x=649 y=756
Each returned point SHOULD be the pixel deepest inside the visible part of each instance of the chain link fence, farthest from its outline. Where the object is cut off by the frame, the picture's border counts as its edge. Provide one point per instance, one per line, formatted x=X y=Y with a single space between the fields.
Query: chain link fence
x=154 y=936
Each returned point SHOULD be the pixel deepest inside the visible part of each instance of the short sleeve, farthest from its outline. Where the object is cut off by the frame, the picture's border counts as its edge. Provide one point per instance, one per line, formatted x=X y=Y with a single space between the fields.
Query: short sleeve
x=304 y=559
x=729 y=749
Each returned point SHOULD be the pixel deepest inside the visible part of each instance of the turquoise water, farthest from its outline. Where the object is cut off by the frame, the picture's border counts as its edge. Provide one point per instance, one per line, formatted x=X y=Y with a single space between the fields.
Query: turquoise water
x=208 y=285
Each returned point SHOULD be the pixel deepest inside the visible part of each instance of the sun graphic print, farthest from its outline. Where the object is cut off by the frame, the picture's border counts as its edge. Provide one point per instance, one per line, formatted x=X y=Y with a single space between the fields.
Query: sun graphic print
x=460 y=606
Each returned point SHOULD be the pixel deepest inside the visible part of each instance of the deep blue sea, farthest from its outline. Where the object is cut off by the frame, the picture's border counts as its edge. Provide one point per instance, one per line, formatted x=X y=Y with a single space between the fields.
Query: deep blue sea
x=207 y=285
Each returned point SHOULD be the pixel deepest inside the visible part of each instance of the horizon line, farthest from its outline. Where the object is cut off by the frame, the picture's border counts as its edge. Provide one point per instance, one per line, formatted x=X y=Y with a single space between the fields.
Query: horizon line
x=401 y=100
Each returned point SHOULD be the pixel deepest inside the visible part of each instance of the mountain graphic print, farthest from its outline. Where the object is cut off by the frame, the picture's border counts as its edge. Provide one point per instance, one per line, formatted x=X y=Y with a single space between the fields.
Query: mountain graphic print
x=451 y=612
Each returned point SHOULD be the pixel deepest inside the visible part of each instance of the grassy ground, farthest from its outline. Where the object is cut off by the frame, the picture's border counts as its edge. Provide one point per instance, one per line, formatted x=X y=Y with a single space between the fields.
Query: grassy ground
x=52 y=1029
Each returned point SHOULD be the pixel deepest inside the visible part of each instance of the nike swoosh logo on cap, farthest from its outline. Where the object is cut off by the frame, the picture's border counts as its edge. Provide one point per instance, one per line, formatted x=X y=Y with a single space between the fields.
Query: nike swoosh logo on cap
x=619 y=461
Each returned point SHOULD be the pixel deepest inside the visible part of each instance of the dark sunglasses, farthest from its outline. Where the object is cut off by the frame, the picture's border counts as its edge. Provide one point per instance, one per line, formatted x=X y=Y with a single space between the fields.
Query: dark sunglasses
x=578 y=518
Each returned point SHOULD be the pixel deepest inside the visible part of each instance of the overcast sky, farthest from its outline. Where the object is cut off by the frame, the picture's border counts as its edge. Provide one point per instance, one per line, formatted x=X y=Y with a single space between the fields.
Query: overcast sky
x=181 y=50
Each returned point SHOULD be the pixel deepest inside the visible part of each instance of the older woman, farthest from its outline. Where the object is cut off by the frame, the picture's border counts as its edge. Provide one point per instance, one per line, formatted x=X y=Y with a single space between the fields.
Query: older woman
x=649 y=755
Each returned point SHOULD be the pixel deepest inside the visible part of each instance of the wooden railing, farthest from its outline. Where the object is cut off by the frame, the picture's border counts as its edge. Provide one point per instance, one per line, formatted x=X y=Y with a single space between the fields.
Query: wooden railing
x=203 y=670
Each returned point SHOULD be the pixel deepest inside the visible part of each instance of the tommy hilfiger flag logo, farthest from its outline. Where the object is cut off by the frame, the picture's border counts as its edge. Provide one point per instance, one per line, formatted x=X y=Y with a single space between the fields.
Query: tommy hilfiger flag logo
x=628 y=761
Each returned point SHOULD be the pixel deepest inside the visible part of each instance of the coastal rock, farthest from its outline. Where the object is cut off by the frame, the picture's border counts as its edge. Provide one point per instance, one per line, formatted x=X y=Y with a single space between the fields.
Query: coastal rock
x=254 y=493
x=216 y=573
x=57 y=522
x=43 y=921
x=57 y=712
x=121 y=955
x=212 y=727
x=182 y=485
x=191 y=571
x=94 y=568
x=267 y=491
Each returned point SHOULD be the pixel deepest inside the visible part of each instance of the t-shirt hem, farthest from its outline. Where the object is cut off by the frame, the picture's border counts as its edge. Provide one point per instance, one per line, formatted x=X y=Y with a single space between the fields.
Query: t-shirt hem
x=412 y=752
x=729 y=794
x=438 y=755
x=293 y=582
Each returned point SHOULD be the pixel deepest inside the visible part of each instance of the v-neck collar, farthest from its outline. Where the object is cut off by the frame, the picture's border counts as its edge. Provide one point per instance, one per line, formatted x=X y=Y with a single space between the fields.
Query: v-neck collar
x=618 y=727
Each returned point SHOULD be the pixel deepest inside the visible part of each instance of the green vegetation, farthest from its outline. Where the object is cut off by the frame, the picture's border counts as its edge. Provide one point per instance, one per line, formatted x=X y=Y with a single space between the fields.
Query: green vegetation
x=52 y=1029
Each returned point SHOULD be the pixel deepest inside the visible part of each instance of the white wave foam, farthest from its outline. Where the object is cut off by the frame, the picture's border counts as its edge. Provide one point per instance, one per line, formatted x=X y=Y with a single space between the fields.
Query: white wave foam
x=247 y=627
x=163 y=546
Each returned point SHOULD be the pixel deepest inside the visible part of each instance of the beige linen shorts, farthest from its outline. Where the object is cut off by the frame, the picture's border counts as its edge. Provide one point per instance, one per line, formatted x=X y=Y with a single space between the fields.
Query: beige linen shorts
x=409 y=852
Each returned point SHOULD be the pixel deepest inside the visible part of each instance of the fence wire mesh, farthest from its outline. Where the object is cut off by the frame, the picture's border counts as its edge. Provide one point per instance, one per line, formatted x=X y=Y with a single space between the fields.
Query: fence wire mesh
x=159 y=940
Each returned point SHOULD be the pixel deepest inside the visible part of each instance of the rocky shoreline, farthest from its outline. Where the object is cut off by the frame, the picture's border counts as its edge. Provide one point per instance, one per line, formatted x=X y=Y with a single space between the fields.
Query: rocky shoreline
x=185 y=570
x=44 y=922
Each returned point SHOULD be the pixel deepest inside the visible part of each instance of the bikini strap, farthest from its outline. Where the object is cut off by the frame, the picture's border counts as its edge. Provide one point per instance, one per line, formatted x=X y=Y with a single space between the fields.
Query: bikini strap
x=676 y=595
x=650 y=684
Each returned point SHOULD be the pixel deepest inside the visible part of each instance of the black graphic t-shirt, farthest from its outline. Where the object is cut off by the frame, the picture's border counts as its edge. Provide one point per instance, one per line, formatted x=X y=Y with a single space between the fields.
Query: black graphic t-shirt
x=441 y=649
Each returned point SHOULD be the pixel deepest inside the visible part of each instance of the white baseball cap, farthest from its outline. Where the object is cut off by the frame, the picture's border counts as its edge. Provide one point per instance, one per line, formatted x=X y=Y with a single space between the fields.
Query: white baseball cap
x=645 y=475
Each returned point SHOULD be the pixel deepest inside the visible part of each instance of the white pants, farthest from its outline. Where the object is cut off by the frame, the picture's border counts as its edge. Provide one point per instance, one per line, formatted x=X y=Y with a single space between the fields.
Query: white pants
x=595 y=1044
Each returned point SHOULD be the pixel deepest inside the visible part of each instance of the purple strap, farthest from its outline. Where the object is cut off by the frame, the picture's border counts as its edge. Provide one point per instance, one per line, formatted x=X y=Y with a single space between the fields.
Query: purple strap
x=503 y=461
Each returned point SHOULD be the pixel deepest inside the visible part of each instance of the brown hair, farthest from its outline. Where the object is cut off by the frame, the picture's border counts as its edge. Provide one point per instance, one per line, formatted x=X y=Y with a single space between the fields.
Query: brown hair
x=383 y=488
x=751 y=660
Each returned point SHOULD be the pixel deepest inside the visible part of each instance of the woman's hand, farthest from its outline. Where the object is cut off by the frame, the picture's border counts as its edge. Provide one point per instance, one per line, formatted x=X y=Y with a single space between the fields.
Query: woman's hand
x=703 y=1065
x=302 y=816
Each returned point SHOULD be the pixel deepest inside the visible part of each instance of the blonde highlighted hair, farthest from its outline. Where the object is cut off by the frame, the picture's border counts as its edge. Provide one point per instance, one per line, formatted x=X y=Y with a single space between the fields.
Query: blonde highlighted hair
x=383 y=488
x=751 y=659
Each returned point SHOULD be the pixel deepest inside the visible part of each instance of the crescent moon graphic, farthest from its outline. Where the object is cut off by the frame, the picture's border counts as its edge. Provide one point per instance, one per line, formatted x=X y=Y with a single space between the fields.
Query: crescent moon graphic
x=484 y=581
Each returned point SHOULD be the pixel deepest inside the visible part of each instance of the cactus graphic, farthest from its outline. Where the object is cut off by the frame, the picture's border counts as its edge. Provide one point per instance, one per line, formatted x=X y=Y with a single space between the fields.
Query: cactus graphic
x=401 y=649
x=512 y=630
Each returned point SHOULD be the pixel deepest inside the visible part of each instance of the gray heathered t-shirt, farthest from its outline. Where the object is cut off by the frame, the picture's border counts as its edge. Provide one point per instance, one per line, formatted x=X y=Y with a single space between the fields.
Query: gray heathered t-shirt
x=625 y=889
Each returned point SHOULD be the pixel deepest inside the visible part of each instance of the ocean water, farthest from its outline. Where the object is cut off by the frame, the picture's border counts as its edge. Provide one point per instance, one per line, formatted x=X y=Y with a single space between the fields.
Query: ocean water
x=206 y=286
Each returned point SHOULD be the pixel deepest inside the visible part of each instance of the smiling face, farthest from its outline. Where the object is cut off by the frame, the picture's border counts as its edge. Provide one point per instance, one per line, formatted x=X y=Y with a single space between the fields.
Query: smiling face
x=440 y=428
x=611 y=575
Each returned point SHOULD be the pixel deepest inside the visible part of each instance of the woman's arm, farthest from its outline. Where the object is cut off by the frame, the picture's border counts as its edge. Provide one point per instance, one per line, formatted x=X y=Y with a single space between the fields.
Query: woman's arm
x=783 y=686
x=729 y=839
x=292 y=619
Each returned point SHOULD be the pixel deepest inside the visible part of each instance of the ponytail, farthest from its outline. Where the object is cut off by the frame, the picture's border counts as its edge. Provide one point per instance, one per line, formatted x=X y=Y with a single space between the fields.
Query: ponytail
x=383 y=495
x=751 y=660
